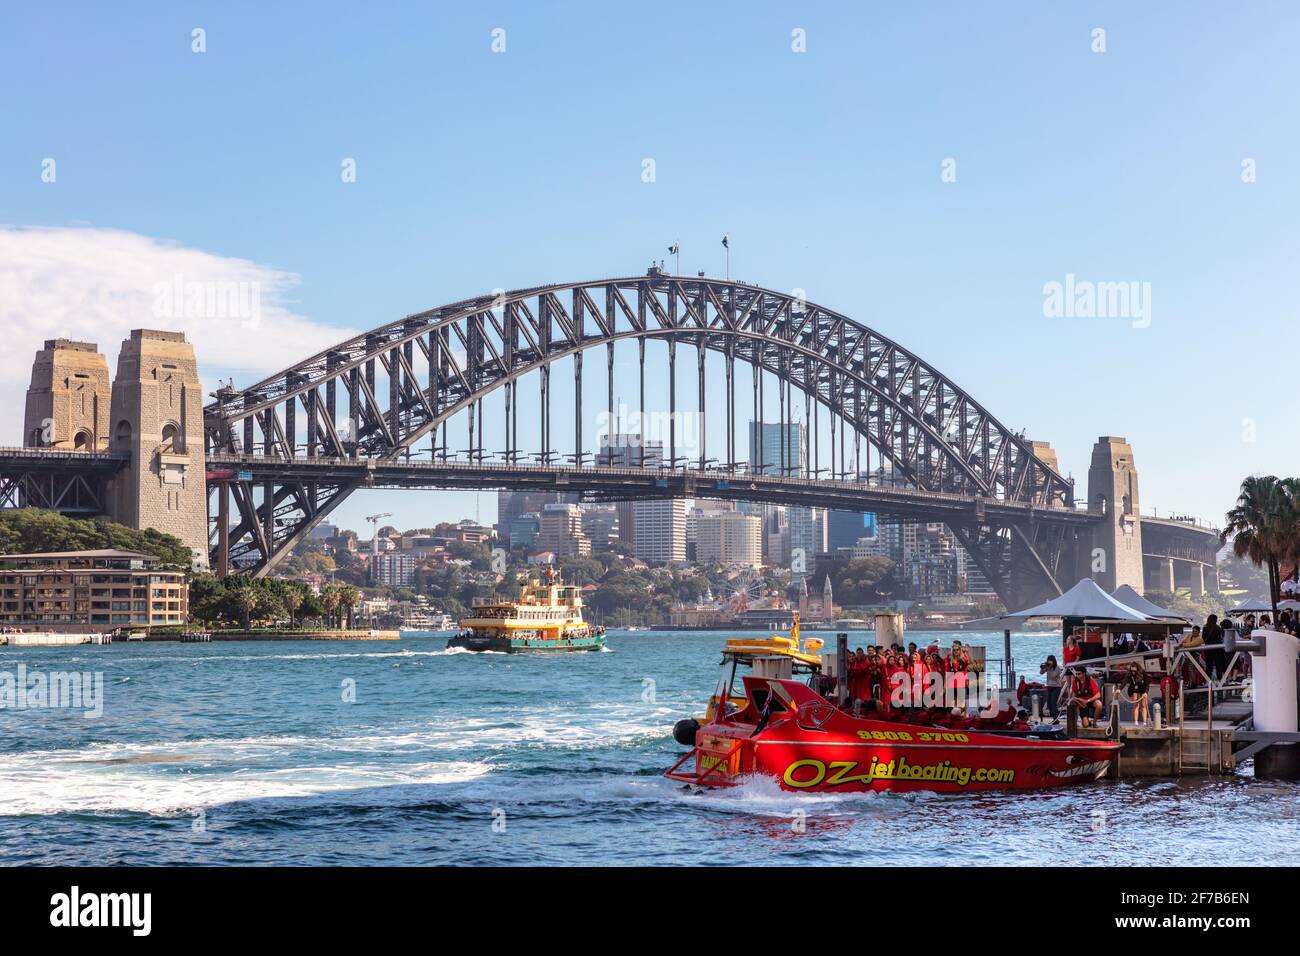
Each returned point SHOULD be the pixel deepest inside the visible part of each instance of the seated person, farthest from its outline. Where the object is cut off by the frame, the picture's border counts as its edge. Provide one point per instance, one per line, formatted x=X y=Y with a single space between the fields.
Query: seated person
x=1087 y=695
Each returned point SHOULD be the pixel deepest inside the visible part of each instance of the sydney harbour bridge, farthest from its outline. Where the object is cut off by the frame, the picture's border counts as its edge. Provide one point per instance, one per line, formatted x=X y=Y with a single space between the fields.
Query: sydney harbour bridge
x=389 y=408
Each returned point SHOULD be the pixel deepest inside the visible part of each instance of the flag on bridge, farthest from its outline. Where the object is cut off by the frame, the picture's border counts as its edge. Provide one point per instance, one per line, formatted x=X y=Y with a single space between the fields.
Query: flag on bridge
x=726 y=241
x=674 y=249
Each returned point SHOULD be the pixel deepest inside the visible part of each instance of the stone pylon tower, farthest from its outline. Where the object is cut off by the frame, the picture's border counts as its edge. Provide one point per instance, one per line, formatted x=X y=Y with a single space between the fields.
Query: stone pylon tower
x=68 y=399
x=157 y=417
x=1116 y=554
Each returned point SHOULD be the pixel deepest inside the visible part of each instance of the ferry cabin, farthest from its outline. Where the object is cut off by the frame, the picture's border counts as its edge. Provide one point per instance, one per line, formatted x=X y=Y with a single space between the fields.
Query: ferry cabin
x=550 y=610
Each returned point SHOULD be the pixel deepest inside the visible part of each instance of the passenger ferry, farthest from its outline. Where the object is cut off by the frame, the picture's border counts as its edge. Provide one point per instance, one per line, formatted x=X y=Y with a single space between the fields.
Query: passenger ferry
x=547 y=618
x=798 y=732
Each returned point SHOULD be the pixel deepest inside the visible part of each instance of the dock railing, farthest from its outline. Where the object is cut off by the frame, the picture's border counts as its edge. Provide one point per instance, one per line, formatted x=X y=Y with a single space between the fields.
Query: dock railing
x=1216 y=687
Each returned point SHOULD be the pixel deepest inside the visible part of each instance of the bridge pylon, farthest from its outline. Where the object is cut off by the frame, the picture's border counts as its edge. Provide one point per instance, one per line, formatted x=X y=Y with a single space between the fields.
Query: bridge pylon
x=157 y=419
x=68 y=398
x=1115 y=557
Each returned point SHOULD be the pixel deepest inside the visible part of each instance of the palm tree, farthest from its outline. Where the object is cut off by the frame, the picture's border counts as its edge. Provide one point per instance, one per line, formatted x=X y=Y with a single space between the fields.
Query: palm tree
x=329 y=599
x=349 y=595
x=293 y=600
x=1265 y=526
x=247 y=601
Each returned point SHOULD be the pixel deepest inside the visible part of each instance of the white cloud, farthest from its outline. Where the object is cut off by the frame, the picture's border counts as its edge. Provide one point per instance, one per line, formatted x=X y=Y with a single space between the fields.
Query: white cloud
x=96 y=285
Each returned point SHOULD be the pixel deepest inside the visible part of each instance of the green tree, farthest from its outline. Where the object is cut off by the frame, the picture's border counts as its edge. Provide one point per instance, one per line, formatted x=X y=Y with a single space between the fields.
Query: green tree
x=349 y=597
x=1264 y=526
x=246 y=599
x=330 y=597
x=28 y=530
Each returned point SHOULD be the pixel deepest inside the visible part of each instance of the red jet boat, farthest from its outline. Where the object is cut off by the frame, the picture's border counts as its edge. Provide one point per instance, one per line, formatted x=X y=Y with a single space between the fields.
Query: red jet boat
x=786 y=730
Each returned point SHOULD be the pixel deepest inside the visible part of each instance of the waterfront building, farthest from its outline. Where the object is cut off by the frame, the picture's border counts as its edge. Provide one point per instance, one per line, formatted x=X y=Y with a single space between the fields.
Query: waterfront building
x=105 y=588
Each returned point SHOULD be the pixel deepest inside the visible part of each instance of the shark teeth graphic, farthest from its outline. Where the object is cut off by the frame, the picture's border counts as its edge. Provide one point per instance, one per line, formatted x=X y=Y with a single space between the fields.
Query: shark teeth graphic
x=1083 y=770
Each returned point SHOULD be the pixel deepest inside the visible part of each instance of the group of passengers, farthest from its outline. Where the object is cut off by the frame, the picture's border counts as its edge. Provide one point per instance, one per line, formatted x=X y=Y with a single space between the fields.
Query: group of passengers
x=873 y=672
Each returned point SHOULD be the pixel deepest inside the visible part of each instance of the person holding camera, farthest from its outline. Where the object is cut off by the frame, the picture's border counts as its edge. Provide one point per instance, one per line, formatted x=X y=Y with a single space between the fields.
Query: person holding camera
x=1051 y=672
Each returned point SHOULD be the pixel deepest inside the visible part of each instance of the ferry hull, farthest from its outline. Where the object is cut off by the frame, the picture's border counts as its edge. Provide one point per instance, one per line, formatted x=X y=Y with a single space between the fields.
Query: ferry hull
x=505 y=645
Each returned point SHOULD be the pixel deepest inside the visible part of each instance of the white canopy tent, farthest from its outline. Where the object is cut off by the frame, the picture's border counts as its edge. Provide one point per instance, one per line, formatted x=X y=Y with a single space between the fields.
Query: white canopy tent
x=1085 y=600
x=1088 y=601
x=1130 y=598
x=1252 y=606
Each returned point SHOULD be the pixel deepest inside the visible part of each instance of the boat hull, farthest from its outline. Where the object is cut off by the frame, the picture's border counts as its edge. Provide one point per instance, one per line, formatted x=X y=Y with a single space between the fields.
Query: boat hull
x=813 y=746
x=967 y=762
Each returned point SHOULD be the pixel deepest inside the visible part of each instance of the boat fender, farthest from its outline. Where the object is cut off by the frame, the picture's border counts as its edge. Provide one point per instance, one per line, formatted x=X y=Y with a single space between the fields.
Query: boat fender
x=684 y=731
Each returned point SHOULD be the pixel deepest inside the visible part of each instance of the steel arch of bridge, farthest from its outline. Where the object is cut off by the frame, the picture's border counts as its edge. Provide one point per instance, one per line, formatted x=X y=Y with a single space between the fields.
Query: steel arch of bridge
x=438 y=363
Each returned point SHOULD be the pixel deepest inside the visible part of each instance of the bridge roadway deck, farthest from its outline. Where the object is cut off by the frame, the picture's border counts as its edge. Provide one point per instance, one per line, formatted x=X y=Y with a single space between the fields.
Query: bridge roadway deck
x=60 y=459
x=612 y=483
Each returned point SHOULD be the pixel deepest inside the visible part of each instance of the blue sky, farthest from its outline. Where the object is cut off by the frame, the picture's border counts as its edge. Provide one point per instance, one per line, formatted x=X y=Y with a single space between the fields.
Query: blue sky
x=478 y=170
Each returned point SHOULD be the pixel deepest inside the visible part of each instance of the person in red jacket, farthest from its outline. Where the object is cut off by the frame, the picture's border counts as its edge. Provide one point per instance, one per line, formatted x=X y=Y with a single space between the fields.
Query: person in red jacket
x=892 y=669
x=958 y=666
x=1086 y=693
x=1072 y=651
x=855 y=674
x=874 y=676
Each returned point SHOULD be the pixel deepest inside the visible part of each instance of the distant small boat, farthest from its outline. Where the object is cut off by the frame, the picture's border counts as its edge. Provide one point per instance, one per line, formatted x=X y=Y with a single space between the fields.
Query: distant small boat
x=423 y=625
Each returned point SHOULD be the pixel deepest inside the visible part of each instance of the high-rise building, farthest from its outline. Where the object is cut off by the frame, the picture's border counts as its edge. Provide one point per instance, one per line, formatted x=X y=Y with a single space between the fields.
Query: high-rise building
x=600 y=525
x=561 y=530
x=844 y=528
x=776 y=537
x=807 y=536
x=512 y=504
x=524 y=529
x=664 y=537
x=659 y=529
x=623 y=450
x=777 y=449
x=397 y=568
x=971 y=579
x=727 y=537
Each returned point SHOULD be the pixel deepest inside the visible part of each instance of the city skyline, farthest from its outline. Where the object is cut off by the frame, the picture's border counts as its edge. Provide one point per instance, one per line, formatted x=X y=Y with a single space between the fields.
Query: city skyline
x=1055 y=181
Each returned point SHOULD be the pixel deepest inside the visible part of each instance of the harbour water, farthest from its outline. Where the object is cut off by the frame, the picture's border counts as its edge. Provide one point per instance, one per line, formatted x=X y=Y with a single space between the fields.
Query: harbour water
x=403 y=753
